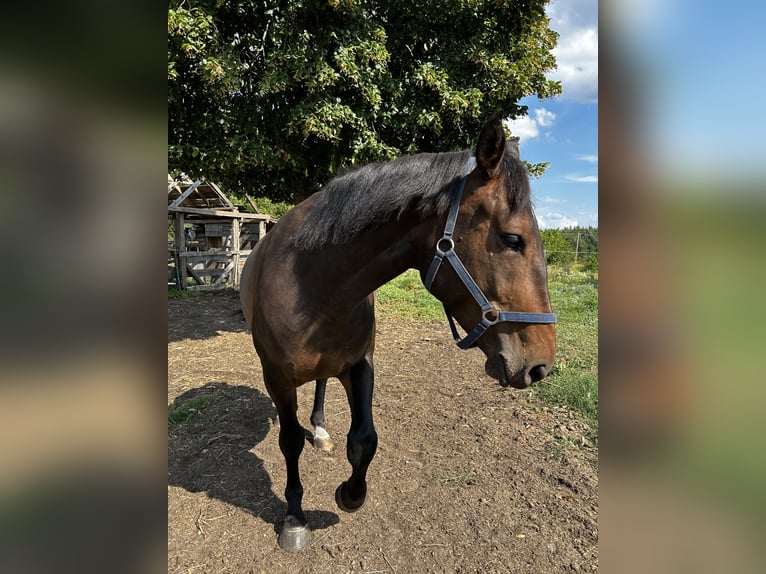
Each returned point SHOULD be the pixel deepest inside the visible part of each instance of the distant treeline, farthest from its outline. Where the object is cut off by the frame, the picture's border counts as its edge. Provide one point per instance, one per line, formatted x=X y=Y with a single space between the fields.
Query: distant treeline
x=571 y=245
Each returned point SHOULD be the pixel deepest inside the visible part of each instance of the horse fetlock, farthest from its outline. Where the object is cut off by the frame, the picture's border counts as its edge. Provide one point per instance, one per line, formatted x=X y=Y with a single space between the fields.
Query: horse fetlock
x=348 y=503
x=360 y=448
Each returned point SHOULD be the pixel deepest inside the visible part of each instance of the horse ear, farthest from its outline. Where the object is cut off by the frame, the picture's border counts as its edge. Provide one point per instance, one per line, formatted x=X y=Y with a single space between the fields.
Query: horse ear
x=491 y=146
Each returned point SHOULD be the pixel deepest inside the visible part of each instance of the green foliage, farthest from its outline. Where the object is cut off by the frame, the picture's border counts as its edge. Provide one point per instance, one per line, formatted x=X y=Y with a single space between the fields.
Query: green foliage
x=537 y=169
x=270 y=98
x=557 y=249
x=582 y=239
x=564 y=246
x=274 y=208
x=590 y=263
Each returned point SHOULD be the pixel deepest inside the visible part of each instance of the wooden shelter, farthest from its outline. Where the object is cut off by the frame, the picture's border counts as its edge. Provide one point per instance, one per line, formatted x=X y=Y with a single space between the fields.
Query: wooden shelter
x=209 y=239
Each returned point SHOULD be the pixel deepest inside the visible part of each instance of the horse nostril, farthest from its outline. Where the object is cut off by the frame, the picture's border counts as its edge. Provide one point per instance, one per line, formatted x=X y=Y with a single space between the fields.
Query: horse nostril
x=538 y=373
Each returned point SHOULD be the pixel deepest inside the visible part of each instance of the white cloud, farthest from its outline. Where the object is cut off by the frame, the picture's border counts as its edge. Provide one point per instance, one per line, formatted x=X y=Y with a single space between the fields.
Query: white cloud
x=544 y=117
x=528 y=128
x=555 y=221
x=588 y=158
x=576 y=21
x=548 y=200
x=582 y=178
x=524 y=128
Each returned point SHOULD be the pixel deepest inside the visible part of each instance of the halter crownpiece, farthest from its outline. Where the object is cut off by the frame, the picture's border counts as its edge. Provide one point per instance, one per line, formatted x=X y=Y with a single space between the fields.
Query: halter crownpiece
x=490 y=315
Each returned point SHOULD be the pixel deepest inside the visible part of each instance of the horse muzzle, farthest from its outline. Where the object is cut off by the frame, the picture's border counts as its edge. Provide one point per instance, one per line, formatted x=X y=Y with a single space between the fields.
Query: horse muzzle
x=510 y=374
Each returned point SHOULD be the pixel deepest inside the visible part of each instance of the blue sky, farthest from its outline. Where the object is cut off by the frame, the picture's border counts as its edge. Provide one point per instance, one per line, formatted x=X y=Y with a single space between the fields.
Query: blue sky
x=564 y=130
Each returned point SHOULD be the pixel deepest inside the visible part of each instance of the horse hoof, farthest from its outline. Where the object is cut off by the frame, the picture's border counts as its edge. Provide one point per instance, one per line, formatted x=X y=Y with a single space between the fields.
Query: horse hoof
x=324 y=444
x=294 y=536
x=344 y=503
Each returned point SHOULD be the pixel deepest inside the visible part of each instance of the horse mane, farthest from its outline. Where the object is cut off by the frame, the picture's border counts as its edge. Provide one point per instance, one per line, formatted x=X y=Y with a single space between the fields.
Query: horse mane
x=363 y=198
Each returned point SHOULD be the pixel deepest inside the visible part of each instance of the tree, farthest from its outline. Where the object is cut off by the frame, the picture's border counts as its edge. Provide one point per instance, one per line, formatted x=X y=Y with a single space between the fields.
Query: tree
x=272 y=97
x=556 y=247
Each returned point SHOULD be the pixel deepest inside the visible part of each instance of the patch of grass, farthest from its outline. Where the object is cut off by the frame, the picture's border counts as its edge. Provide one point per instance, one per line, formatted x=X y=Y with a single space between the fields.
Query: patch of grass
x=460 y=479
x=176 y=293
x=405 y=297
x=573 y=382
x=574 y=389
x=179 y=413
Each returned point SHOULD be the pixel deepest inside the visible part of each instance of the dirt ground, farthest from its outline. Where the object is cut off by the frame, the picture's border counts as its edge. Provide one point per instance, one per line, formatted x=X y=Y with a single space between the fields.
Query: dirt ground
x=468 y=476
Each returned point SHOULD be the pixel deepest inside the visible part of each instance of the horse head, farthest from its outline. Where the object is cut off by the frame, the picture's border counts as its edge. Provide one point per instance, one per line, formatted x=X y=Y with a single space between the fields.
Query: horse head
x=497 y=239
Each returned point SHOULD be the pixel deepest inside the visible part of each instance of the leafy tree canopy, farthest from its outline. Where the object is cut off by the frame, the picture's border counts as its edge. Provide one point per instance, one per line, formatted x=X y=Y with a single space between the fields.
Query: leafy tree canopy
x=270 y=97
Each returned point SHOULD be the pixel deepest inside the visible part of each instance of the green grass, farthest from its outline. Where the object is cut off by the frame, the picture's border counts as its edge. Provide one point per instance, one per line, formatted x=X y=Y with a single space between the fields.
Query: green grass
x=176 y=293
x=405 y=297
x=573 y=382
x=179 y=413
x=464 y=479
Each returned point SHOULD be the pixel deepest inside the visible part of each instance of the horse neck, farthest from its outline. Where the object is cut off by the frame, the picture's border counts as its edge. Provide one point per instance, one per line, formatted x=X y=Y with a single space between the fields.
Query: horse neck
x=379 y=255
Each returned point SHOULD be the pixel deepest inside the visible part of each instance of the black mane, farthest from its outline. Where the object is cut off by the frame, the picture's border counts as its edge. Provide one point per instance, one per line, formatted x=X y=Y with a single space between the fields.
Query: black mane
x=363 y=198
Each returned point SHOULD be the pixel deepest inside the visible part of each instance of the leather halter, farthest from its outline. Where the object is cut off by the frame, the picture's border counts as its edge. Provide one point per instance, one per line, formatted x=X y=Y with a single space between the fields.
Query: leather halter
x=445 y=249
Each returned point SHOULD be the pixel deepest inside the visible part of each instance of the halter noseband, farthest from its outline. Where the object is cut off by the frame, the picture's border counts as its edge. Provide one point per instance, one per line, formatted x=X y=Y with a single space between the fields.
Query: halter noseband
x=445 y=249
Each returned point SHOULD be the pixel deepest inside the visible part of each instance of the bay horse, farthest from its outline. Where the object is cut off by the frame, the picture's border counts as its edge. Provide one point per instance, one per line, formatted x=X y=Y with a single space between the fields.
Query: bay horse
x=464 y=220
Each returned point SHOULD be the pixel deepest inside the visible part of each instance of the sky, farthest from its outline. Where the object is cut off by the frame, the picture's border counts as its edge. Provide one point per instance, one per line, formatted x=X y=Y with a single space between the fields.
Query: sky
x=564 y=130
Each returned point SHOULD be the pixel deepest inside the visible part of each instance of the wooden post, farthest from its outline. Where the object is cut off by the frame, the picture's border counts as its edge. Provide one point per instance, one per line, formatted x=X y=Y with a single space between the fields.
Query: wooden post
x=235 y=246
x=180 y=248
x=577 y=246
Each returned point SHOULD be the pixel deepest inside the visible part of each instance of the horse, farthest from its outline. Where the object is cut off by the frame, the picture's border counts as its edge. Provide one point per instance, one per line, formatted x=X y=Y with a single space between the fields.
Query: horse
x=463 y=219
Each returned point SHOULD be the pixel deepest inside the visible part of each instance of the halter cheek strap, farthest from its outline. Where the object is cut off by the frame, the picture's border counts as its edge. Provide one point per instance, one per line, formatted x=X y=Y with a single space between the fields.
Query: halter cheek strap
x=445 y=250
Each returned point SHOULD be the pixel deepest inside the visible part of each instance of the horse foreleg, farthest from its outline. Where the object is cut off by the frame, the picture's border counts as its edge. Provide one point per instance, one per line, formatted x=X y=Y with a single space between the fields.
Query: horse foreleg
x=321 y=438
x=295 y=534
x=362 y=438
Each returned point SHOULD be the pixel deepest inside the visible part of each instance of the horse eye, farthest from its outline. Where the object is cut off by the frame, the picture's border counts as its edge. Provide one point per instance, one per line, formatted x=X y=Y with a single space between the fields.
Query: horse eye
x=513 y=241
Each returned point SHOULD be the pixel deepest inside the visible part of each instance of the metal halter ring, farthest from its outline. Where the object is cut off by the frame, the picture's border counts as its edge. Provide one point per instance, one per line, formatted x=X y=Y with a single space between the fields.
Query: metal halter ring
x=450 y=243
x=487 y=314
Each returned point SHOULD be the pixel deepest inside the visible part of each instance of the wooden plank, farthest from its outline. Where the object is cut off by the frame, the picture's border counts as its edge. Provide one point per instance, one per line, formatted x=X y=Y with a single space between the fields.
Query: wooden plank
x=180 y=240
x=214 y=230
x=194 y=274
x=252 y=204
x=205 y=287
x=208 y=272
x=225 y=273
x=185 y=194
x=235 y=251
x=222 y=195
x=218 y=213
x=218 y=255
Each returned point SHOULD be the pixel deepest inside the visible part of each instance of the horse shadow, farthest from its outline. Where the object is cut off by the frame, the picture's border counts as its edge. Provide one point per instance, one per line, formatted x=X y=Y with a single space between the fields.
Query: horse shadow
x=210 y=450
